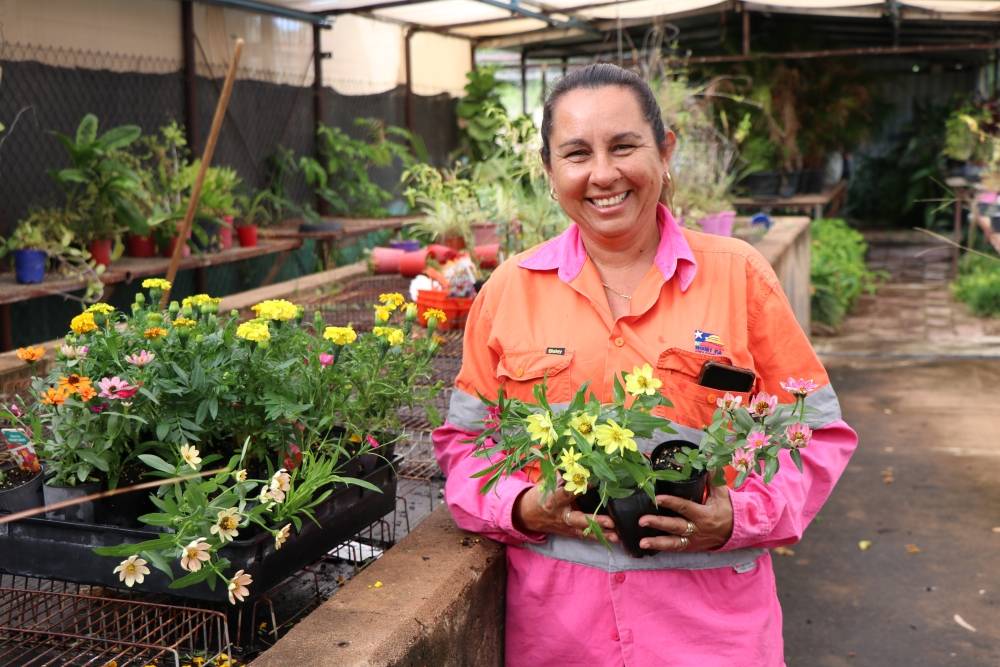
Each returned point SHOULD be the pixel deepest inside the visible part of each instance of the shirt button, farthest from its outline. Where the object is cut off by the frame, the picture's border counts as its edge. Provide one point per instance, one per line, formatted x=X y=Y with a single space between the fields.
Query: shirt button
x=519 y=372
x=619 y=577
x=619 y=341
x=711 y=398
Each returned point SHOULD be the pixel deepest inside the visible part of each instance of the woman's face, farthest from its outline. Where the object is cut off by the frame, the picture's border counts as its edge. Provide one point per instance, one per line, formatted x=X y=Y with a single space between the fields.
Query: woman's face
x=605 y=165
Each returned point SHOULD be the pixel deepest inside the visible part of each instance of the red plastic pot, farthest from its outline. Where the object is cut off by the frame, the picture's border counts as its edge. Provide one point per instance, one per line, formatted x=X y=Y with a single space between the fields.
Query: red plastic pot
x=413 y=263
x=171 y=244
x=226 y=232
x=456 y=243
x=140 y=246
x=247 y=235
x=100 y=250
x=386 y=260
x=488 y=255
x=441 y=253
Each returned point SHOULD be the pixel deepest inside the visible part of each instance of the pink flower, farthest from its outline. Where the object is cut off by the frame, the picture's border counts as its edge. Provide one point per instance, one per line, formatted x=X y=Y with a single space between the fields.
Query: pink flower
x=744 y=459
x=14 y=410
x=116 y=388
x=325 y=359
x=800 y=387
x=98 y=409
x=141 y=358
x=798 y=435
x=492 y=417
x=372 y=442
x=757 y=440
x=762 y=404
x=729 y=402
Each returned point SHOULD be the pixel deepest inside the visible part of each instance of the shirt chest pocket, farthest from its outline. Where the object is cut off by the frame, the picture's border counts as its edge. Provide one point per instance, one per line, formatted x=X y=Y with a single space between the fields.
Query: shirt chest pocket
x=693 y=404
x=519 y=372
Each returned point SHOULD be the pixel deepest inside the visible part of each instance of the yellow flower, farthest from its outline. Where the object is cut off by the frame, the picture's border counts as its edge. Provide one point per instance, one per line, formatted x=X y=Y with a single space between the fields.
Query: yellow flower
x=382 y=314
x=199 y=301
x=615 y=438
x=132 y=570
x=276 y=309
x=576 y=478
x=569 y=458
x=190 y=455
x=101 y=308
x=156 y=283
x=185 y=322
x=254 y=330
x=410 y=311
x=584 y=423
x=641 y=381
x=435 y=314
x=154 y=332
x=392 y=335
x=340 y=335
x=226 y=524
x=281 y=536
x=83 y=323
x=30 y=354
x=392 y=300
x=540 y=428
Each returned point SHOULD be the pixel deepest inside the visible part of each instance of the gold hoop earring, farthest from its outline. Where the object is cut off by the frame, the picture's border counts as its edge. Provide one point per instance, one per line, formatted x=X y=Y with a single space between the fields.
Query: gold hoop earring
x=552 y=193
x=667 y=192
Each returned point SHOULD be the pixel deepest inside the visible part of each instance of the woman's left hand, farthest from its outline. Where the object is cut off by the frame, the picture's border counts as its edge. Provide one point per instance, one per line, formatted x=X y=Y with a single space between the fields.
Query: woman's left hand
x=699 y=528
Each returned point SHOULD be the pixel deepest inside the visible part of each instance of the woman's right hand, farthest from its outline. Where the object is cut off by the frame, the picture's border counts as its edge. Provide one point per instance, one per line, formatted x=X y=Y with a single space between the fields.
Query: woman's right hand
x=554 y=514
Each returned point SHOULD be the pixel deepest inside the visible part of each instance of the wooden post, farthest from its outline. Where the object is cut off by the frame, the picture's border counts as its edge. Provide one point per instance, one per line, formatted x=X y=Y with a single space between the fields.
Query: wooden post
x=321 y=204
x=408 y=99
x=206 y=159
x=746 y=31
x=524 y=82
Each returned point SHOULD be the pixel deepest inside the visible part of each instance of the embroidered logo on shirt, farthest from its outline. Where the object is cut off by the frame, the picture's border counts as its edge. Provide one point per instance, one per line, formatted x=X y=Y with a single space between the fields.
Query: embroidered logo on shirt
x=707 y=343
x=561 y=351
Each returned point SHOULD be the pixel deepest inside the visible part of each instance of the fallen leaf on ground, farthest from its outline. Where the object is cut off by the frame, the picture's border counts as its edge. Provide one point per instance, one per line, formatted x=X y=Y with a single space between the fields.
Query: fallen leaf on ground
x=887 y=411
x=783 y=551
x=377 y=584
x=887 y=476
x=913 y=549
x=888 y=450
x=964 y=623
x=865 y=545
x=996 y=529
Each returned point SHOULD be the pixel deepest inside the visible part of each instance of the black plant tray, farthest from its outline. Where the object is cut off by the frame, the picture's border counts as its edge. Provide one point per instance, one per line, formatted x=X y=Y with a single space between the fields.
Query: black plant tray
x=63 y=550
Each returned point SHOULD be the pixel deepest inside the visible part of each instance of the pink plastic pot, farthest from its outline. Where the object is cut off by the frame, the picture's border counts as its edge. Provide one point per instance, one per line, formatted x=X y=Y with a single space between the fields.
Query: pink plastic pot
x=720 y=224
x=485 y=233
x=386 y=260
x=226 y=232
x=488 y=255
x=413 y=263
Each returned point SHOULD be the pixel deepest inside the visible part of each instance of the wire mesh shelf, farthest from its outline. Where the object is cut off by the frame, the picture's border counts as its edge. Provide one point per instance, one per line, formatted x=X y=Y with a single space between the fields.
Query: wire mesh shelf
x=51 y=627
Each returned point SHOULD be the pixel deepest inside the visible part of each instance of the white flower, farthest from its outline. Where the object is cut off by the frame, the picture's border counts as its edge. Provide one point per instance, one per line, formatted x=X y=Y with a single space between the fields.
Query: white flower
x=190 y=456
x=226 y=525
x=194 y=554
x=280 y=481
x=281 y=536
x=238 y=586
x=132 y=570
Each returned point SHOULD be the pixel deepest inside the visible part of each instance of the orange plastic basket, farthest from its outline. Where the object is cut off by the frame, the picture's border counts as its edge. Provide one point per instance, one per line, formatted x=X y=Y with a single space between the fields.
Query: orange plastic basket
x=455 y=309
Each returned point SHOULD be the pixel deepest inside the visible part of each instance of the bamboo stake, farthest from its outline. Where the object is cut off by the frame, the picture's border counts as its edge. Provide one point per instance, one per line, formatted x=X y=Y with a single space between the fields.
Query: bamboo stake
x=206 y=158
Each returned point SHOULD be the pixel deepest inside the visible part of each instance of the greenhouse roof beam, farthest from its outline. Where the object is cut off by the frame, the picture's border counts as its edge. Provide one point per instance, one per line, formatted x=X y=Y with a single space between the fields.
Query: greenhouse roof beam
x=259 y=7
x=515 y=7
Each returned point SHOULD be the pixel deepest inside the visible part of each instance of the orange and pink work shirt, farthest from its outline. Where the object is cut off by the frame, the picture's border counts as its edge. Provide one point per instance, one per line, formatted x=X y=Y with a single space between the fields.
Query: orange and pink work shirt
x=544 y=314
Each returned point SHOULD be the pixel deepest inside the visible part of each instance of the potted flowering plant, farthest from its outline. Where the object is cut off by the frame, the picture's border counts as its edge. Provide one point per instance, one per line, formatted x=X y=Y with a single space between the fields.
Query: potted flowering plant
x=20 y=472
x=593 y=449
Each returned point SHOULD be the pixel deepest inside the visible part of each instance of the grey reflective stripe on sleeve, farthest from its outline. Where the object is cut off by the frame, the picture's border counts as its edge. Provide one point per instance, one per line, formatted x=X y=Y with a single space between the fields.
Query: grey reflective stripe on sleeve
x=822 y=407
x=595 y=554
x=466 y=411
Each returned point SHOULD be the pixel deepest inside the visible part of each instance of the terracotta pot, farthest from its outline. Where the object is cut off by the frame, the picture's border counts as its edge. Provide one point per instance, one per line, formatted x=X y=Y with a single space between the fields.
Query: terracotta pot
x=488 y=255
x=226 y=233
x=140 y=246
x=247 y=235
x=169 y=250
x=454 y=242
x=386 y=260
x=413 y=263
x=100 y=250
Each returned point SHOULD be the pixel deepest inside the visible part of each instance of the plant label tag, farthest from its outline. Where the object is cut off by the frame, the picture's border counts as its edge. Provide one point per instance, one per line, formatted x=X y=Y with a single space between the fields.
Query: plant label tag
x=15 y=437
x=561 y=351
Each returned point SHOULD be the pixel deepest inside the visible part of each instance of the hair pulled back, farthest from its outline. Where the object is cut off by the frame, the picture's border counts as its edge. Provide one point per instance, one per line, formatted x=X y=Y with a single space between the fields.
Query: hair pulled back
x=598 y=76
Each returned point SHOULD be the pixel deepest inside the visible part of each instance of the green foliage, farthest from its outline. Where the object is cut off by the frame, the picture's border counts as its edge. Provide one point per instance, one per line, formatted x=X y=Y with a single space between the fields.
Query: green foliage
x=838 y=271
x=102 y=184
x=481 y=113
x=978 y=284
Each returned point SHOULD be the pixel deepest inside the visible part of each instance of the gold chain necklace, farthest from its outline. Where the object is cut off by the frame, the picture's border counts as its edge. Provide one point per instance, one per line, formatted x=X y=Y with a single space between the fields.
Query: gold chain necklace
x=616 y=292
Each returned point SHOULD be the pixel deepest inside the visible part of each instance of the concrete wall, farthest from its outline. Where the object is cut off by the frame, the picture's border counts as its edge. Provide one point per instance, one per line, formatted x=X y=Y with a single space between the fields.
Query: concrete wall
x=786 y=246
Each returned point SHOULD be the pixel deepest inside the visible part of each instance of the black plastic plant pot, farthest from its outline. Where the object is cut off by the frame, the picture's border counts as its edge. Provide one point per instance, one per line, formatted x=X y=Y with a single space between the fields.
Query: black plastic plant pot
x=53 y=549
x=995 y=223
x=690 y=489
x=83 y=512
x=22 y=497
x=626 y=513
x=762 y=183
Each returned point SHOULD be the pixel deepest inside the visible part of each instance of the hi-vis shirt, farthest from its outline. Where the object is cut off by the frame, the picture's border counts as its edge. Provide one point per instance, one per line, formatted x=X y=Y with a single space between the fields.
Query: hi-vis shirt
x=544 y=314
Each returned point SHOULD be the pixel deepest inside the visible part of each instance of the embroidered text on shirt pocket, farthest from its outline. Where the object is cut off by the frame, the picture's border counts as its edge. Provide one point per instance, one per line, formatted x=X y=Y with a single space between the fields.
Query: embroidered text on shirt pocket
x=693 y=404
x=519 y=372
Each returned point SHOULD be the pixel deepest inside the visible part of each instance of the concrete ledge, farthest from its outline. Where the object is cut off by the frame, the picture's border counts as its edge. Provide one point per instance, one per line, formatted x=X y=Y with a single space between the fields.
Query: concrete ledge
x=441 y=603
x=786 y=247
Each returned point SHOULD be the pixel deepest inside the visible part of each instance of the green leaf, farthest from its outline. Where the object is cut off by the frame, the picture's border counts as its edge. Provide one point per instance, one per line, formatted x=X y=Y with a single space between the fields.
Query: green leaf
x=118 y=137
x=192 y=578
x=86 y=131
x=797 y=459
x=93 y=459
x=158 y=561
x=129 y=549
x=157 y=519
x=155 y=462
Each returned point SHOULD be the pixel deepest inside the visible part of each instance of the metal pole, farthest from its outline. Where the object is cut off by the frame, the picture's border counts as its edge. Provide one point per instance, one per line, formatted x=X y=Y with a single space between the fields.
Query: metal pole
x=321 y=204
x=565 y=64
x=524 y=82
x=472 y=54
x=190 y=70
x=408 y=98
x=746 y=31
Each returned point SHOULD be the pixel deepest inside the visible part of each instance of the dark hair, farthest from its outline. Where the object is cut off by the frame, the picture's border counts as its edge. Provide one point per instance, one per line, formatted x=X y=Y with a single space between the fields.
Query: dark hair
x=598 y=76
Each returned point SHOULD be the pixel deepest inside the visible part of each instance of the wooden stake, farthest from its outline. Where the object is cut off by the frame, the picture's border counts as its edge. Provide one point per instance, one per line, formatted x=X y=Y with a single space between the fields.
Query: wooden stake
x=206 y=159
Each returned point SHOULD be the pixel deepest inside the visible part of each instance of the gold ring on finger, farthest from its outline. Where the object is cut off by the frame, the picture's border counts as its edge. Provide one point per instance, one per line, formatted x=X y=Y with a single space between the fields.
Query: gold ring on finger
x=566 y=516
x=689 y=531
x=684 y=543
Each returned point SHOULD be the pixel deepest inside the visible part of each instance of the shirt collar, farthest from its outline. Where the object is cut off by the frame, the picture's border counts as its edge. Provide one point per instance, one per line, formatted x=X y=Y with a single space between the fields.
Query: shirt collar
x=567 y=254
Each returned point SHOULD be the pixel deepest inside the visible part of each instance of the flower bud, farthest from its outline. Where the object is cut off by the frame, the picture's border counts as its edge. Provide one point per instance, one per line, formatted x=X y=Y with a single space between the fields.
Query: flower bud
x=140 y=298
x=154 y=319
x=174 y=308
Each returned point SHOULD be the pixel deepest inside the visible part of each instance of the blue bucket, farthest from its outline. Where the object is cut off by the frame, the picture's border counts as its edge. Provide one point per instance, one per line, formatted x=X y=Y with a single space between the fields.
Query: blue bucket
x=29 y=266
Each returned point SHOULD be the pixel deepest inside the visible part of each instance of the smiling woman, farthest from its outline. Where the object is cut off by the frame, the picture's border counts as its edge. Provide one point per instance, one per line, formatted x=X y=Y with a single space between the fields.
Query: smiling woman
x=627 y=287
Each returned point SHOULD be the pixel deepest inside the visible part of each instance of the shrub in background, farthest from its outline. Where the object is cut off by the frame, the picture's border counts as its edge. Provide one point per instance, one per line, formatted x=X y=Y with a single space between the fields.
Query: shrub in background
x=838 y=272
x=978 y=284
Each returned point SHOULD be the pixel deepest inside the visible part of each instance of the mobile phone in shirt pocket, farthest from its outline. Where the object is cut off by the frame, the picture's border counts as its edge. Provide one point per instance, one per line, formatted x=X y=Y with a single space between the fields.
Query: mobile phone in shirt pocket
x=693 y=404
x=519 y=372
